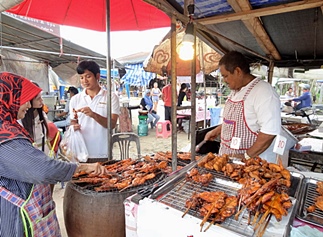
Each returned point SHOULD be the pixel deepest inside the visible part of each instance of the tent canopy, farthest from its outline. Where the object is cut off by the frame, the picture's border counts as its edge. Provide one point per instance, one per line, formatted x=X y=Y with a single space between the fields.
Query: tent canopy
x=25 y=39
x=285 y=32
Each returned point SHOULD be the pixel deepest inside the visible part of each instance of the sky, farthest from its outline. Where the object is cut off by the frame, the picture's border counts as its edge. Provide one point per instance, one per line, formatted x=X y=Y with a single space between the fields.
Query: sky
x=123 y=43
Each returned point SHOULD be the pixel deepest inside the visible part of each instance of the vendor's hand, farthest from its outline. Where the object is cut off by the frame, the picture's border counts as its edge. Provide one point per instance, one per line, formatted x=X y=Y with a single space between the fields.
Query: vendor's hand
x=210 y=136
x=92 y=168
x=238 y=156
x=86 y=110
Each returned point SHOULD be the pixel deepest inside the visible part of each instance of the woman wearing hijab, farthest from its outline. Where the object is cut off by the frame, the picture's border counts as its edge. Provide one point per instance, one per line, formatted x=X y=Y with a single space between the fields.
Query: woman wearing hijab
x=146 y=103
x=25 y=171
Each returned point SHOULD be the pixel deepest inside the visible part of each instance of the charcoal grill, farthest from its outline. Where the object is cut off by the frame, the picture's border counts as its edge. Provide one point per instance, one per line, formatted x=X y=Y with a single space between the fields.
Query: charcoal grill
x=89 y=188
x=183 y=190
x=307 y=199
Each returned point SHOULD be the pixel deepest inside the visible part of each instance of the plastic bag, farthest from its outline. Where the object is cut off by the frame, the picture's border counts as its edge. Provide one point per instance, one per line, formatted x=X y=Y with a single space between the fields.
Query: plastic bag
x=73 y=146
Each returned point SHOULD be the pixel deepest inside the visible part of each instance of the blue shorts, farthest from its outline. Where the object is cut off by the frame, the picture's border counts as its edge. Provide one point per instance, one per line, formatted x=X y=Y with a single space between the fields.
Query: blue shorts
x=155 y=98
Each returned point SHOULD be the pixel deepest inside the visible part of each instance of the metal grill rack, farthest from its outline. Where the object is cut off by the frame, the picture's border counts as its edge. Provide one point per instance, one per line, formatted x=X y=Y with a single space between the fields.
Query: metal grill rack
x=308 y=199
x=177 y=197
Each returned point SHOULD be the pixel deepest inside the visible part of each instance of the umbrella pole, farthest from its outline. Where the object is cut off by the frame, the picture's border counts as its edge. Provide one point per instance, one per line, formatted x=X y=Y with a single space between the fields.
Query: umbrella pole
x=193 y=99
x=108 y=59
x=174 y=93
x=201 y=53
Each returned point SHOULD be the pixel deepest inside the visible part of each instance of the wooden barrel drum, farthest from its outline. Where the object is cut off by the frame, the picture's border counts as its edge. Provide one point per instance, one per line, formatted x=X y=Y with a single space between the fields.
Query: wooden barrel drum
x=94 y=214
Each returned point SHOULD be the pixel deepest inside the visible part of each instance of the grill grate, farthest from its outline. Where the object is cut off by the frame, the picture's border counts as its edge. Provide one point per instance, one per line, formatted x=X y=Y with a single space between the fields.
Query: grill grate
x=177 y=197
x=309 y=195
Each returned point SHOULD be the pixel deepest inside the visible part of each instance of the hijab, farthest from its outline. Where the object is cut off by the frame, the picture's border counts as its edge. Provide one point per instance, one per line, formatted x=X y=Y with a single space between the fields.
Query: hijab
x=148 y=100
x=14 y=91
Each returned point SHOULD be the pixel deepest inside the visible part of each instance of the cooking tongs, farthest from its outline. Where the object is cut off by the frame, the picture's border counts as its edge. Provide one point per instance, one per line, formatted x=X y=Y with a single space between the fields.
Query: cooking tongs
x=156 y=189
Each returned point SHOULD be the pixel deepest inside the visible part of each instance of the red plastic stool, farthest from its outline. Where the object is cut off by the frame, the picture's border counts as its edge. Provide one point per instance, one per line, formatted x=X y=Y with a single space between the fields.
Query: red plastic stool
x=161 y=129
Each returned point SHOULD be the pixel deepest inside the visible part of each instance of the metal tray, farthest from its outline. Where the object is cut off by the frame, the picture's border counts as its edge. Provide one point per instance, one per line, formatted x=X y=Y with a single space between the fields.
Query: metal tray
x=307 y=199
x=177 y=197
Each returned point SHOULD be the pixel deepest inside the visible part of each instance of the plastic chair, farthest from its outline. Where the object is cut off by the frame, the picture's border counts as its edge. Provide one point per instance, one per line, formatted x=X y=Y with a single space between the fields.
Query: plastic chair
x=163 y=132
x=124 y=140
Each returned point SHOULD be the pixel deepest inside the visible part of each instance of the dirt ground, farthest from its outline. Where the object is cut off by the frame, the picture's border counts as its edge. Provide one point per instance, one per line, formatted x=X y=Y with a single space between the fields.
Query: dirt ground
x=148 y=144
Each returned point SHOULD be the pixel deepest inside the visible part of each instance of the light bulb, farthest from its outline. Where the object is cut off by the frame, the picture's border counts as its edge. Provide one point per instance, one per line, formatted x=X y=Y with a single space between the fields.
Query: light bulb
x=186 y=51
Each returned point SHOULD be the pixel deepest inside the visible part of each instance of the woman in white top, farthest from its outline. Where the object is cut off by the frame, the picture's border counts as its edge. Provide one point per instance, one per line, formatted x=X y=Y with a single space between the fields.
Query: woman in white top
x=155 y=93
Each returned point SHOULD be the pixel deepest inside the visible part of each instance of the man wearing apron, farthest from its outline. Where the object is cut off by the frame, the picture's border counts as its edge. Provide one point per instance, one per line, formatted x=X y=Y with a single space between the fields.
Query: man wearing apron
x=251 y=116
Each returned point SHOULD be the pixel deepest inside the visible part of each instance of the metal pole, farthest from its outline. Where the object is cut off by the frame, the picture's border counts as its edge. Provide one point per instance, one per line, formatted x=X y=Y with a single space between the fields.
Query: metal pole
x=201 y=58
x=174 y=93
x=108 y=59
x=193 y=100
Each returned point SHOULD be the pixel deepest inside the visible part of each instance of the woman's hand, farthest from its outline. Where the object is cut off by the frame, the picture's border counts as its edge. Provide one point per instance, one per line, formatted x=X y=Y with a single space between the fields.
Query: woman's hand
x=92 y=168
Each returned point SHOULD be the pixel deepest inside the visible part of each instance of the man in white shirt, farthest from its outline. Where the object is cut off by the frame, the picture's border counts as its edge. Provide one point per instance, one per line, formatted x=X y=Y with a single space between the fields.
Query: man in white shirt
x=251 y=116
x=90 y=111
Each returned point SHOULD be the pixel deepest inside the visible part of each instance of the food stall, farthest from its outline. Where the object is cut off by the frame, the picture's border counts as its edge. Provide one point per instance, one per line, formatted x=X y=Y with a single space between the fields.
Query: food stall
x=175 y=208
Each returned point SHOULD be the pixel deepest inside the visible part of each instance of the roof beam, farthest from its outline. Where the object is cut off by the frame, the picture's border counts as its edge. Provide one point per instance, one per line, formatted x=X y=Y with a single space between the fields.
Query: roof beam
x=282 y=8
x=171 y=11
x=256 y=28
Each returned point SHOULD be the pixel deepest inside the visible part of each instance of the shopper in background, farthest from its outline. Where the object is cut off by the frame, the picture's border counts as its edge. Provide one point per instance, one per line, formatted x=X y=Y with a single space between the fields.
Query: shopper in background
x=155 y=91
x=90 y=108
x=146 y=103
x=289 y=93
x=305 y=100
x=251 y=116
x=25 y=171
x=182 y=94
x=167 y=98
x=65 y=122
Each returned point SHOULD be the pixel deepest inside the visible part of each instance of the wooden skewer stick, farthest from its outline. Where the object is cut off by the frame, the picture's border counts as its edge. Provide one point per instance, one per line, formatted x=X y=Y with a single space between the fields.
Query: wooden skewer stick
x=262 y=219
x=262 y=232
x=188 y=208
x=206 y=217
x=256 y=214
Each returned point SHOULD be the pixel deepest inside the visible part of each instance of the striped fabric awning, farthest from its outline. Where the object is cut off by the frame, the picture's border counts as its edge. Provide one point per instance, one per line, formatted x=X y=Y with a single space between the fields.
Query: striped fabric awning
x=136 y=75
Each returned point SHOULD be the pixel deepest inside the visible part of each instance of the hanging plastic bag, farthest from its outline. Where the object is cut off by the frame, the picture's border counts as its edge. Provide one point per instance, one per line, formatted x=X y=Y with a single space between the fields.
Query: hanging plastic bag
x=73 y=146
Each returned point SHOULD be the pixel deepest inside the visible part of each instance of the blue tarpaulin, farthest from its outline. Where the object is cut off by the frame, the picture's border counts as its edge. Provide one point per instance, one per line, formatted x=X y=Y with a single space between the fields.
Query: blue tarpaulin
x=114 y=73
x=136 y=75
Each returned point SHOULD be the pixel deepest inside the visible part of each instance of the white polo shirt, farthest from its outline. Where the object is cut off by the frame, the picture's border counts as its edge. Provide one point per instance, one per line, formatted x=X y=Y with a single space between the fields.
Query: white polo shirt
x=95 y=136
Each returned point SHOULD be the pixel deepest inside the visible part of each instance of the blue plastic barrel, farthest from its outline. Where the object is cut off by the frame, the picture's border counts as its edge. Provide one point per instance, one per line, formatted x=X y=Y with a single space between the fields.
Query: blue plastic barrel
x=61 y=91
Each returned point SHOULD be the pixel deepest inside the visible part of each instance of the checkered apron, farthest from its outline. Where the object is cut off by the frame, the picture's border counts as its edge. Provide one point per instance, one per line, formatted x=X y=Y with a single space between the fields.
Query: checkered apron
x=234 y=125
x=37 y=212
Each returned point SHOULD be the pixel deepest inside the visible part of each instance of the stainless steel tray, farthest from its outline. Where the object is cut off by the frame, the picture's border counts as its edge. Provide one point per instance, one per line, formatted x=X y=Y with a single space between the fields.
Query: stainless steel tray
x=177 y=197
x=307 y=199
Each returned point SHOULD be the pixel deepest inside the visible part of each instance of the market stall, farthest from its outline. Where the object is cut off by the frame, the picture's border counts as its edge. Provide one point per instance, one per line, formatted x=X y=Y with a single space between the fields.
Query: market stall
x=178 y=205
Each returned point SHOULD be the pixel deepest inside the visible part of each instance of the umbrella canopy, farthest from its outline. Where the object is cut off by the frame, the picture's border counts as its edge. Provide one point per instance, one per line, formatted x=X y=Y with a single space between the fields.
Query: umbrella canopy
x=207 y=59
x=91 y=14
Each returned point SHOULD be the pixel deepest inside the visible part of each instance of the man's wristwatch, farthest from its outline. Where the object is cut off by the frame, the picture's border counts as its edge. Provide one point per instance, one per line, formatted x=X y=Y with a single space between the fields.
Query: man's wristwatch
x=246 y=156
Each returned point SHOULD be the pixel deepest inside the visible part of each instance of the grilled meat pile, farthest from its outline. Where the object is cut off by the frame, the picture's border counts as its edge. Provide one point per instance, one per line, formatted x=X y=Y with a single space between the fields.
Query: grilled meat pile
x=264 y=192
x=319 y=199
x=123 y=174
